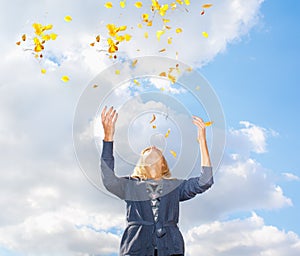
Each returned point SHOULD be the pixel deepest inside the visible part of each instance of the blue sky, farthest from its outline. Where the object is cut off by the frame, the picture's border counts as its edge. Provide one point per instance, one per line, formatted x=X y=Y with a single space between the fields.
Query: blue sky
x=257 y=80
x=250 y=59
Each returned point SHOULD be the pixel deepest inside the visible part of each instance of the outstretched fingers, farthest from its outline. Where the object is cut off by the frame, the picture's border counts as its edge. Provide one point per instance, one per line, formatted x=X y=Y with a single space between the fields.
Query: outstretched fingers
x=198 y=122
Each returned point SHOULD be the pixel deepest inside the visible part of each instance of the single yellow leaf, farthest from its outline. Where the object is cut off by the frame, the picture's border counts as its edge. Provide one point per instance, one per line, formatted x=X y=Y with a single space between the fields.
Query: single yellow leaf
x=166 y=20
x=179 y=1
x=153 y=118
x=169 y=40
x=108 y=5
x=159 y=33
x=178 y=30
x=205 y=34
x=122 y=4
x=146 y=35
x=24 y=37
x=43 y=71
x=53 y=36
x=154 y=126
x=149 y=23
x=187 y=2
x=138 y=4
x=145 y=17
x=206 y=5
x=173 y=153
x=95 y=86
x=18 y=43
x=208 y=123
x=92 y=44
x=117 y=72
x=167 y=133
x=68 y=18
x=133 y=64
x=98 y=38
x=65 y=79
x=47 y=27
x=162 y=50
x=139 y=25
x=189 y=69
x=136 y=82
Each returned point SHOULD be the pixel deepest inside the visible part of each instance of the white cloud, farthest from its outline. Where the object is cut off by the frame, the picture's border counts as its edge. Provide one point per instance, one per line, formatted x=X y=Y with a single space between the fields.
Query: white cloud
x=241 y=237
x=291 y=176
x=251 y=138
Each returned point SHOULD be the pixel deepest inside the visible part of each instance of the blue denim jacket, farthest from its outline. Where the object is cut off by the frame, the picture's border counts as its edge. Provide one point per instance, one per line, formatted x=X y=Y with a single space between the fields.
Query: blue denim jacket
x=142 y=233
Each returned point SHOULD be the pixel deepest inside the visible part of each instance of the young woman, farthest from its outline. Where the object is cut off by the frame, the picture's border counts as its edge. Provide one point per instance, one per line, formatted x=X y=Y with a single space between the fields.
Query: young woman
x=152 y=197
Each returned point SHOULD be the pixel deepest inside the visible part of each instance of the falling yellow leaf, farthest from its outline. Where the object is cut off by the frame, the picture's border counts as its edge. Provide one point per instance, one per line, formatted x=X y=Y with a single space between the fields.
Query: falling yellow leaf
x=133 y=64
x=98 y=38
x=149 y=23
x=117 y=72
x=162 y=50
x=159 y=33
x=68 y=18
x=205 y=34
x=172 y=78
x=162 y=88
x=153 y=118
x=95 y=86
x=24 y=37
x=166 y=20
x=178 y=30
x=146 y=35
x=169 y=40
x=136 y=82
x=206 y=5
x=140 y=25
x=189 y=69
x=154 y=126
x=167 y=133
x=145 y=17
x=173 y=153
x=53 y=36
x=65 y=79
x=138 y=4
x=187 y=2
x=208 y=123
x=179 y=1
x=163 y=74
x=173 y=6
x=18 y=43
x=43 y=71
x=123 y=4
x=108 y=5
x=92 y=44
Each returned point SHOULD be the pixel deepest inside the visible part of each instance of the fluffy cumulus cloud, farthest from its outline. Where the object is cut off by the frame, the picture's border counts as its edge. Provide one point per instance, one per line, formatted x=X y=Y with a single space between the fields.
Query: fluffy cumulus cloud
x=237 y=237
x=46 y=200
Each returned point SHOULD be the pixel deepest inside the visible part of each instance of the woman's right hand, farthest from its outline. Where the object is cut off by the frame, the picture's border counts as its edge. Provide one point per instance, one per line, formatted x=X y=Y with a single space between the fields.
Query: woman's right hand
x=109 y=119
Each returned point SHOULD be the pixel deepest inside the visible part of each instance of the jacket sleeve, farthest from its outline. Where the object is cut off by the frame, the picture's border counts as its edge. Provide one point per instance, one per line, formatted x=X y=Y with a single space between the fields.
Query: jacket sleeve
x=112 y=183
x=191 y=187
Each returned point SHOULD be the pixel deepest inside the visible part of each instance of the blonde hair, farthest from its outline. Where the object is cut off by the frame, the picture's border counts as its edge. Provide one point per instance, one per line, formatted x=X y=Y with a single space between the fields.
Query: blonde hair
x=140 y=171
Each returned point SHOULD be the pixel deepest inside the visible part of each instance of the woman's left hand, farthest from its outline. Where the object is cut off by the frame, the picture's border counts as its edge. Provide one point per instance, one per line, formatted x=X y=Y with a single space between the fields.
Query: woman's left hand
x=201 y=128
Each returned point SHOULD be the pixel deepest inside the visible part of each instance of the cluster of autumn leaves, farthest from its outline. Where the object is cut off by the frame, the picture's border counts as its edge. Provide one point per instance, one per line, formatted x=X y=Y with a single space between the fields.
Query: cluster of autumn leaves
x=118 y=34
